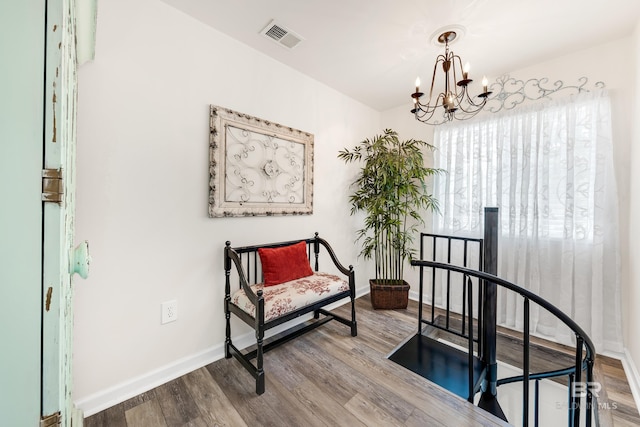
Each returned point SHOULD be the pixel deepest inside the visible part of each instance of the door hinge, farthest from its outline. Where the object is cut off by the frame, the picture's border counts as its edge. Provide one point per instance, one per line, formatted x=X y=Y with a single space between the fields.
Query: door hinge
x=52 y=420
x=52 y=185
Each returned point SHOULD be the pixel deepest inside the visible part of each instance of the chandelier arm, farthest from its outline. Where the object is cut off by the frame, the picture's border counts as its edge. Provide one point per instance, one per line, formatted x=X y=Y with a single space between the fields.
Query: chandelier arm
x=440 y=58
x=424 y=115
x=430 y=109
x=456 y=57
x=469 y=100
x=463 y=88
x=467 y=115
x=447 y=71
x=477 y=107
x=455 y=74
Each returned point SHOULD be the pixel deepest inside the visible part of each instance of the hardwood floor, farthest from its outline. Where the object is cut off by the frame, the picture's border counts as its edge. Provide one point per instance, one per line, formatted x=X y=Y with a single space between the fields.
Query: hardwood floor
x=327 y=378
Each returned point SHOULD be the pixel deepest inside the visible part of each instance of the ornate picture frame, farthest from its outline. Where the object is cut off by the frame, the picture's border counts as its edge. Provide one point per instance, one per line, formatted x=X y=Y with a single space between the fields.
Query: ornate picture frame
x=257 y=167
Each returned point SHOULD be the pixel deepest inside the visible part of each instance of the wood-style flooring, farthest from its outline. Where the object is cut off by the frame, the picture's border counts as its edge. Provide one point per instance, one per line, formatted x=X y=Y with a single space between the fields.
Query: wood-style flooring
x=328 y=378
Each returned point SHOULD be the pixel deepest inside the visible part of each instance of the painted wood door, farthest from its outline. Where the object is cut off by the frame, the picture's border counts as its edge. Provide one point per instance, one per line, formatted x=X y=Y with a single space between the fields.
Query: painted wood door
x=37 y=131
x=58 y=215
x=22 y=24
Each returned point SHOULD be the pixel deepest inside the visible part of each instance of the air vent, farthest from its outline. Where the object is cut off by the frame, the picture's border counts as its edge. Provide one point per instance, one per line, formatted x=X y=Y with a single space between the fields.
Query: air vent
x=280 y=34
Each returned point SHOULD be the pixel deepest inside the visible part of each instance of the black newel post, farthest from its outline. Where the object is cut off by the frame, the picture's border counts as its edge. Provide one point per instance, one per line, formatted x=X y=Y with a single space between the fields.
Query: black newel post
x=489 y=310
x=488 y=398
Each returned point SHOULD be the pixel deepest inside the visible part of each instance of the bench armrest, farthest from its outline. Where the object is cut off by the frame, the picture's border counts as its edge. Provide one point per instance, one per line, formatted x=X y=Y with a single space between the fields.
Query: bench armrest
x=231 y=256
x=344 y=270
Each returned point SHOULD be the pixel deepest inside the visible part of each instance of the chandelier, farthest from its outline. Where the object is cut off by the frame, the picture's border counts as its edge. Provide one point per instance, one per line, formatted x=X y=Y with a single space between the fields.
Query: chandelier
x=454 y=102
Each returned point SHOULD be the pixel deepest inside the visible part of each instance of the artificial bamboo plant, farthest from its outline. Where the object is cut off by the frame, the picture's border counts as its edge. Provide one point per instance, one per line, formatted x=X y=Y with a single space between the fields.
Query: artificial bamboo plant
x=391 y=189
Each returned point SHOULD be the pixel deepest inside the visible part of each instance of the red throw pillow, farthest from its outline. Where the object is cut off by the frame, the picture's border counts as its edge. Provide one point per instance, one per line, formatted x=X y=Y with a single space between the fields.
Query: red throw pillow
x=286 y=263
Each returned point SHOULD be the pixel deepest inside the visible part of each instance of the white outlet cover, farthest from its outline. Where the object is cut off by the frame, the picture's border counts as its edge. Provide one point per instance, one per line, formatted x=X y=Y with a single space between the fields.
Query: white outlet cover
x=169 y=311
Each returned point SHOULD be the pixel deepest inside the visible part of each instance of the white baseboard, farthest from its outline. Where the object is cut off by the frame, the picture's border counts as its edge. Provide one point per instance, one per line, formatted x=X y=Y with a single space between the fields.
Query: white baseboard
x=633 y=377
x=361 y=291
x=119 y=393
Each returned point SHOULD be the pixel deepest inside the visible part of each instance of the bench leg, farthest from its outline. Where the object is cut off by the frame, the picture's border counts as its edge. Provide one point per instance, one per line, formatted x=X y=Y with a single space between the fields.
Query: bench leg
x=259 y=361
x=316 y=314
x=260 y=383
x=354 y=324
x=227 y=341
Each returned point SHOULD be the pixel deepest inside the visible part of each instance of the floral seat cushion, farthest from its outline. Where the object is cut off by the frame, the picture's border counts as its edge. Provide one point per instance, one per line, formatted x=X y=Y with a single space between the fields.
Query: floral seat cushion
x=289 y=296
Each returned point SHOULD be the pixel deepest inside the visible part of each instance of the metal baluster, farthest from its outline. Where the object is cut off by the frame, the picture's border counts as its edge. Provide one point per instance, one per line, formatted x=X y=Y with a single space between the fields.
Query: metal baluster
x=448 y=282
x=421 y=285
x=576 y=398
x=525 y=364
x=470 y=341
x=433 y=283
x=536 y=415
x=464 y=289
x=571 y=409
x=590 y=405
x=480 y=300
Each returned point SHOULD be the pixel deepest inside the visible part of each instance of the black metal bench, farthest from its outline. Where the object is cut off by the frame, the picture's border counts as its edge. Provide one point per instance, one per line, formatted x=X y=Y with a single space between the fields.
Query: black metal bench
x=264 y=307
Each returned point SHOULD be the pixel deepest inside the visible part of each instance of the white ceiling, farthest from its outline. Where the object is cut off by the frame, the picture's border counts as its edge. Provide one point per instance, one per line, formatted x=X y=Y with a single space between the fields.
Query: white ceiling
x=372 y=50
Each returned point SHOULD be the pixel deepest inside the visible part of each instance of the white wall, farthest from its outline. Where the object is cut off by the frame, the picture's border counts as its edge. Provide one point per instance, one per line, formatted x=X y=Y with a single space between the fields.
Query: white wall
x=632 y=296
x=142 y=190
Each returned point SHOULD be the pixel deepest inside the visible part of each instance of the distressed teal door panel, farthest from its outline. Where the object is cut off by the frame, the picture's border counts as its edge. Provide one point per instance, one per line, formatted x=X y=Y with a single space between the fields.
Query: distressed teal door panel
x=58 y=220
x=22 y=24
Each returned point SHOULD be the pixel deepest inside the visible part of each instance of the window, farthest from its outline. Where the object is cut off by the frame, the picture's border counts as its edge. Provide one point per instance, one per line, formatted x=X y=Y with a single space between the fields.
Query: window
x=549 y=169
x=542 y=166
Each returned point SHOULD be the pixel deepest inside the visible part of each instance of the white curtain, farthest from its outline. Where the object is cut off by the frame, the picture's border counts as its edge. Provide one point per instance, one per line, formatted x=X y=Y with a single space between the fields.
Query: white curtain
x=549 y=169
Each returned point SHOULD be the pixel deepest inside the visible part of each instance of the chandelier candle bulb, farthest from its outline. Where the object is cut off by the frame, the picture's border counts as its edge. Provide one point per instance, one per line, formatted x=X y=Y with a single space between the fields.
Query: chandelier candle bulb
x=465 y=71
x=417 y=84
x=485 y=84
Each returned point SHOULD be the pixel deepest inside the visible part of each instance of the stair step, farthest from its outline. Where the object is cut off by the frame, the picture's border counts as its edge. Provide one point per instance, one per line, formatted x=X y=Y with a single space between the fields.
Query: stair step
x=439 y=363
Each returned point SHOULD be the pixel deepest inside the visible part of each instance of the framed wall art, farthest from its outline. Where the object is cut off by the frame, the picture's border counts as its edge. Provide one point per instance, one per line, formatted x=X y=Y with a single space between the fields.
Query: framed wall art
x=257 y=167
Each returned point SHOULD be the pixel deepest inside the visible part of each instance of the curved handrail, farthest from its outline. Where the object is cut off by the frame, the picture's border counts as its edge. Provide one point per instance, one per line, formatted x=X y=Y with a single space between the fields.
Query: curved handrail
x=344 y=270
x=538 y=375
x=582 y=339
x=518 y=289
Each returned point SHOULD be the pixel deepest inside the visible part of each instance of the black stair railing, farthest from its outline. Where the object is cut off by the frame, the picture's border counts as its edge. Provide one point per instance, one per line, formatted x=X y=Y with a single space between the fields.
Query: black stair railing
x=463 y=251
x=476 y=282
x=466 y=252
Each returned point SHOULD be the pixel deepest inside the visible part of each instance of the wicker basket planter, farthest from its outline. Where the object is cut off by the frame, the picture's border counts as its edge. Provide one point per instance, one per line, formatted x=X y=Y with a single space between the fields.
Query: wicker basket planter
x=389 y=294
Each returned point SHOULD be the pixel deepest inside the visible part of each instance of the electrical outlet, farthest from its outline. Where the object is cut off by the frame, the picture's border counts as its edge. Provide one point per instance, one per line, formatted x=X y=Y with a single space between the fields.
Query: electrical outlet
x=169 y=311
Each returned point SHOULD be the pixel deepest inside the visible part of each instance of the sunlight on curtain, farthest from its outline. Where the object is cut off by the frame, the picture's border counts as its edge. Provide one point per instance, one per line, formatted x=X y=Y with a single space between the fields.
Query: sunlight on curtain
x=549 y=168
